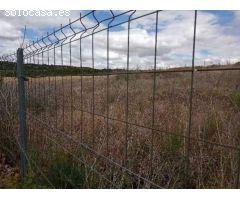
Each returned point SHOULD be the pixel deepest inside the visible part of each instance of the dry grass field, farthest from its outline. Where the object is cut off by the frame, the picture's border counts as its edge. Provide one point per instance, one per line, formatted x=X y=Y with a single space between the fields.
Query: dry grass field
x=96 y=113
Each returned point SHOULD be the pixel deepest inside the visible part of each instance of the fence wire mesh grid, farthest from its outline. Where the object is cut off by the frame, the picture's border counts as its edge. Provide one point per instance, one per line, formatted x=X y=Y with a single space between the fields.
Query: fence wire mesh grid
x=93 y=123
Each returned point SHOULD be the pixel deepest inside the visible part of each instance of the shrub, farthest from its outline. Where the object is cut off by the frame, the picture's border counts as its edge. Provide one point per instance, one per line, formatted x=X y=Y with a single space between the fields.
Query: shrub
x=235 y=97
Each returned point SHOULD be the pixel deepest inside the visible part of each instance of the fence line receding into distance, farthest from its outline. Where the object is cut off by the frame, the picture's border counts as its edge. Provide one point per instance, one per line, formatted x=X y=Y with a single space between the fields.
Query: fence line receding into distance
x=93 y=113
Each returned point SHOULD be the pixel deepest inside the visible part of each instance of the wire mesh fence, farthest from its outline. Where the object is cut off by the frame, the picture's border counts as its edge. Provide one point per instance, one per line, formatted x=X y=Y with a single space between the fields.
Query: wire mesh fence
x=115 y=126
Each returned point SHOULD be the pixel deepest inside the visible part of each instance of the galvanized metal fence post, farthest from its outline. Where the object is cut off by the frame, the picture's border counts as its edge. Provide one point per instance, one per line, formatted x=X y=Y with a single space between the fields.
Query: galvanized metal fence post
x=22 y=114
x=188 y=141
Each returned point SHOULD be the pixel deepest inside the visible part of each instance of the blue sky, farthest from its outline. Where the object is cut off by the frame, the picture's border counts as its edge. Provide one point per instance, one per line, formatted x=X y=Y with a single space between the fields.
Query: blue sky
x=224 y=17
x=218 y=37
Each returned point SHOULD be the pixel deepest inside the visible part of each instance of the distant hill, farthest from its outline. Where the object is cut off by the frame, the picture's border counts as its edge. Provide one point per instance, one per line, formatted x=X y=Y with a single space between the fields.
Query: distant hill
x=35 y=70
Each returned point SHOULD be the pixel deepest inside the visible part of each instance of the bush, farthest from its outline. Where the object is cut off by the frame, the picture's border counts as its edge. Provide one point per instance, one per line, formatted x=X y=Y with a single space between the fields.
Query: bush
x=235 y=97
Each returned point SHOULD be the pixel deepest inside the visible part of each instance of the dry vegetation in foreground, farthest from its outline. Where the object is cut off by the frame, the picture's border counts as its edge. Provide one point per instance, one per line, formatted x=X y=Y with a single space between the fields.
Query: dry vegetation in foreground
x=215 y=117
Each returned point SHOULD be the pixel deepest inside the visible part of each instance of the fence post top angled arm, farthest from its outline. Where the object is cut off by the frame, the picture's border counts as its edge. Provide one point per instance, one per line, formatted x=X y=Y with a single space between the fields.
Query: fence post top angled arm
x=74 y=32
x=57 y=42
x=113 y=17
x=65 y=37
x=85 y=29
x=98 y=23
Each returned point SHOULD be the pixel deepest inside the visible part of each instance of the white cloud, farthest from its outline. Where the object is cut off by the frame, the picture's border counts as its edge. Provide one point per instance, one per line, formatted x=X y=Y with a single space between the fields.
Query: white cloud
x=215 y=42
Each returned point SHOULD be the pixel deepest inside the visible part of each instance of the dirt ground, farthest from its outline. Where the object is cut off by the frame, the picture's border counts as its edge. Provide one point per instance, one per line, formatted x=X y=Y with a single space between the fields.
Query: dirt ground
x=9 y=173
